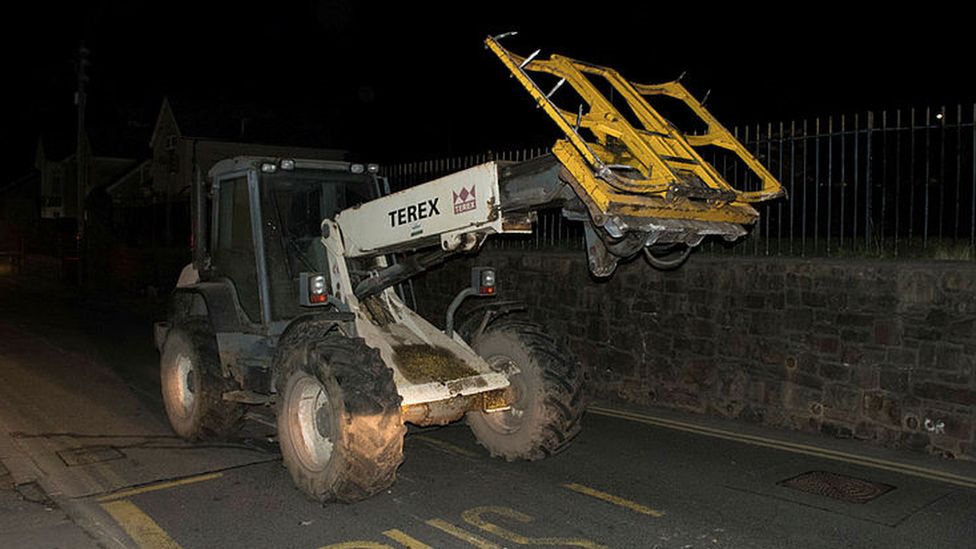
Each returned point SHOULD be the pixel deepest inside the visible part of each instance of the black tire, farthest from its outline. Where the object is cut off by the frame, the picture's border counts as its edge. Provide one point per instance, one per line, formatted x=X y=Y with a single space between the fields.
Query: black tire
x=548 y=387
x=192 y=385
x=339 y=423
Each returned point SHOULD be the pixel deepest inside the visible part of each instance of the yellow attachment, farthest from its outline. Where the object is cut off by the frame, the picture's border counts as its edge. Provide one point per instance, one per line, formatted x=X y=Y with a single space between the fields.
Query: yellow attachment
x=652 y=170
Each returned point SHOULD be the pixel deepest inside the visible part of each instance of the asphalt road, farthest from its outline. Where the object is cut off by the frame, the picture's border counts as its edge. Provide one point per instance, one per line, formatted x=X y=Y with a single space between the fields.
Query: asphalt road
x=82 y=426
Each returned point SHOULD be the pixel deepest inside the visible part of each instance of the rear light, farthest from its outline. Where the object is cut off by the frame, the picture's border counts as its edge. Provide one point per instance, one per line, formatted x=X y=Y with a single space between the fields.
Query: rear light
x=482 y=285
x=313 y=289
x=483 y=280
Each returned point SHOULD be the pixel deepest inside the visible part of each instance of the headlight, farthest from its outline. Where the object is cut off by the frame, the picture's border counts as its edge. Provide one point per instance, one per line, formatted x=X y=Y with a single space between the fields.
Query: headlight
x=357 y=168
x=318 y=285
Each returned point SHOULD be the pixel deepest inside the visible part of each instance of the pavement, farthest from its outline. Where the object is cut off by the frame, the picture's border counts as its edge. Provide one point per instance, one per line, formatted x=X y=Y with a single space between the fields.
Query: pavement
x=28 y=518
x=89 y=461
x=80 y=415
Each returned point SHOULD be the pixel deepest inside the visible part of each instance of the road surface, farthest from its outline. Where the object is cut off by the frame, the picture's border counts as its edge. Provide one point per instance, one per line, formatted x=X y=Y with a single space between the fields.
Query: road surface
x=89 y=461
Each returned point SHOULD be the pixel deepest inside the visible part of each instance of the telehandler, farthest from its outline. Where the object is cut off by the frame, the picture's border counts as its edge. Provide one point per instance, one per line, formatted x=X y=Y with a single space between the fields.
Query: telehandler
x=290 y=301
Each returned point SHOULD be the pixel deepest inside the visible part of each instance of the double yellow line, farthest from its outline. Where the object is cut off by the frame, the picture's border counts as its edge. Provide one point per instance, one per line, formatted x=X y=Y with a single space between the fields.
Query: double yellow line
x=137 y=524
x=796 y=448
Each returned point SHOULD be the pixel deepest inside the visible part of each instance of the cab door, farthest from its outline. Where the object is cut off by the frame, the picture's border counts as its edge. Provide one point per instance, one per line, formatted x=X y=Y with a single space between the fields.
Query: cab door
x=236 y=250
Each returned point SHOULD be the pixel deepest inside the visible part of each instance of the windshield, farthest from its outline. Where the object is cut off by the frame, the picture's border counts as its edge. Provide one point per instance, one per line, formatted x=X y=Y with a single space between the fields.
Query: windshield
x=294 y=203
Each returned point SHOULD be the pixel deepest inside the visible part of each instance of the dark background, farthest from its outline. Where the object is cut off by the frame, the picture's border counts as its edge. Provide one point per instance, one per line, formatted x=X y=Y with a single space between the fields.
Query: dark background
x=410 y=80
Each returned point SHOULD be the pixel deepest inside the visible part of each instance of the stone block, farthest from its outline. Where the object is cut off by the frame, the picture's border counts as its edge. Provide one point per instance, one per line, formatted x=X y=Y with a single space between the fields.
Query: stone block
x=855 y=320
x=851 y=354
x=894 y=379
x=902 y=356
x=865 y=376
x=963 y=281
x=794 y=396
x=918 y=442
x=813 y=299
x=827 y=345
x=867 y=431
x=841 y=398
x=945 y=393
x=859 y=336
x=836 y=429
x=754 y=301
x=882 y=407
x=702 y=328
x=835 y=371
x=887 y=332
x=952 y=357
x=917 y=329
x=622 y=363
x=919 y=288
x=752 y=414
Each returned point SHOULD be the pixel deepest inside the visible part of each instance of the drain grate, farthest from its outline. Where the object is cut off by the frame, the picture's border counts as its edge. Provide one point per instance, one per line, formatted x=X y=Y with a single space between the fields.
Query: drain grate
x=89 y=454
x=841 y=487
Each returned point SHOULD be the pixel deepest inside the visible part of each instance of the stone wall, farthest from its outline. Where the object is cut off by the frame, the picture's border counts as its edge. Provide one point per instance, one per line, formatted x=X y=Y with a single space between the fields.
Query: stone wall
x=876 y=350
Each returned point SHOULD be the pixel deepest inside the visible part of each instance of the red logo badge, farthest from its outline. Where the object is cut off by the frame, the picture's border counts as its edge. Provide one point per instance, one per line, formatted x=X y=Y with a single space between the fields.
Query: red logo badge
x=464 y=201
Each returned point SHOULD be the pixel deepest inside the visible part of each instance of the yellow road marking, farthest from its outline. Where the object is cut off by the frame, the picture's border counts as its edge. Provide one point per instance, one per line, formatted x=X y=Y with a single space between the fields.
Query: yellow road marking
x=463 y=535
x=405 y=540
x=142 y=529
x=357 y=545
x=447 y=446
x=474 y=517
x=616 y=500
x=158 y=486
x=836 y=455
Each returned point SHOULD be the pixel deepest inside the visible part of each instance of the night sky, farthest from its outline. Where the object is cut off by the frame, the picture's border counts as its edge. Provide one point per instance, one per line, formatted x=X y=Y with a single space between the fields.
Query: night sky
x=411 y=80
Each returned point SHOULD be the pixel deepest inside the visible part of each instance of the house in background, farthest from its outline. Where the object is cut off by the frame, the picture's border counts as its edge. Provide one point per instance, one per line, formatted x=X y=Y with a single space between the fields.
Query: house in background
x=187 y=141
x=136 y=197
x=57 y=170
x=41 y=208
x=190 y=141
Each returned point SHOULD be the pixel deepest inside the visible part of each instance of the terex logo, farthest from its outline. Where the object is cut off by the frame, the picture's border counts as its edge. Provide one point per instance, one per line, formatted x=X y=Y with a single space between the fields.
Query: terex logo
x=464 y=201
x=414 y=212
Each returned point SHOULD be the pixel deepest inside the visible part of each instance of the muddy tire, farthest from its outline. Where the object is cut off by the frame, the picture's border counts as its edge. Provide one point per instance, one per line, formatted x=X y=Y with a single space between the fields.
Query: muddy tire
x=193 y=385
x=548 y=392
x=339 y=424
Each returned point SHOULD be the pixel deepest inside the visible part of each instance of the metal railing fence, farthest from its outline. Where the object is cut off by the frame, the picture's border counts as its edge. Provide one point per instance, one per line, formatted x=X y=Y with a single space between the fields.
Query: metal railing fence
x=898 y=183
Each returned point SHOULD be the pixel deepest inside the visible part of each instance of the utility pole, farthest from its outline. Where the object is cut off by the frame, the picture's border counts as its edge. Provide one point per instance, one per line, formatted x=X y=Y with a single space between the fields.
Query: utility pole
x=81 y=159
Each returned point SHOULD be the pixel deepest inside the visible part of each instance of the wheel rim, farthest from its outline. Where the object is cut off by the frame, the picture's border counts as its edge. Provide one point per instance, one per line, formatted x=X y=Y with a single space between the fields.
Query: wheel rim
x=509 y=421
x=185 y=386
x=309 y=416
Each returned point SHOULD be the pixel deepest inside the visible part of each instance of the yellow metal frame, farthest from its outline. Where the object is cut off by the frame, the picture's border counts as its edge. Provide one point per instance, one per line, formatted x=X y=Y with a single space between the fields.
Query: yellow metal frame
x=671 y=171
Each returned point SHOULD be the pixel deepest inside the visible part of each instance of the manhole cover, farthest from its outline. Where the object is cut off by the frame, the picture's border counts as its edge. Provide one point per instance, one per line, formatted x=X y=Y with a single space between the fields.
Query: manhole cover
x=89 y=454
x=832 y=485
